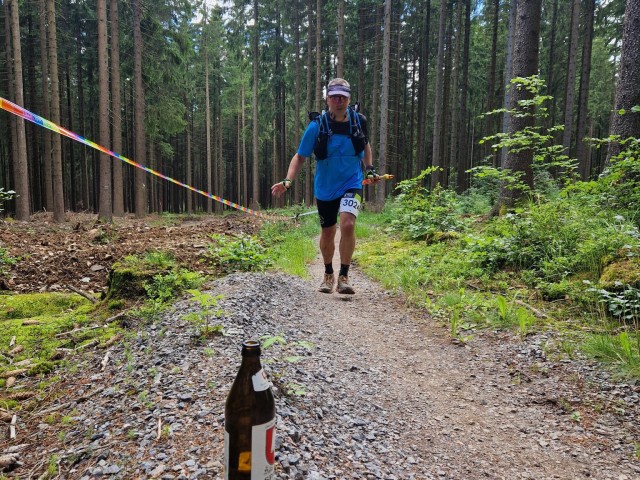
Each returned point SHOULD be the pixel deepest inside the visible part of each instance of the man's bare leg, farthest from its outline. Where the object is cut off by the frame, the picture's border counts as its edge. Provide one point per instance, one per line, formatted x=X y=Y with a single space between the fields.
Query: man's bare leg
x=347 y=237
x=327 y=249
x=347 y=246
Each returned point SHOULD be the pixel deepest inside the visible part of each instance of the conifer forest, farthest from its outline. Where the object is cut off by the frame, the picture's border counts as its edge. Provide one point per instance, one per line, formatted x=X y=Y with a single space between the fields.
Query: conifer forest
x=216 y=94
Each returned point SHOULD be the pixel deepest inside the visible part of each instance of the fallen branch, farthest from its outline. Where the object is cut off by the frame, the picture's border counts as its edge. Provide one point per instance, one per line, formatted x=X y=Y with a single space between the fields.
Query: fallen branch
x=105 y=360
x=7 y=461
x=13 y=373
x=159 y=429
x=23 y=363
x=76 y=330
x=16 y=350
x=5 y=416
x=115 y=317
x=14 y=420
x=535 y=311
x=92 y=343
x=22 y=395
x=112 y=340
x=82 y=294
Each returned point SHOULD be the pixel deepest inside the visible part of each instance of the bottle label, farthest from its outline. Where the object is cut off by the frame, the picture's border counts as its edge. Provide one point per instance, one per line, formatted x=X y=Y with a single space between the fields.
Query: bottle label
x=260 y=461
x=263 y=449
x=260 y=381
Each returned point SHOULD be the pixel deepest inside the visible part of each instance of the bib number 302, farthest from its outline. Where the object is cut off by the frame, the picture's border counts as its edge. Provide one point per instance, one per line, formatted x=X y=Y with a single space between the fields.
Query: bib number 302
x=350 y=203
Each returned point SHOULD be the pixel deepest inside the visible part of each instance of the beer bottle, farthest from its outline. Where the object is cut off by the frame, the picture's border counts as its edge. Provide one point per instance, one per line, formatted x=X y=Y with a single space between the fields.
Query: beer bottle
x=249 y=421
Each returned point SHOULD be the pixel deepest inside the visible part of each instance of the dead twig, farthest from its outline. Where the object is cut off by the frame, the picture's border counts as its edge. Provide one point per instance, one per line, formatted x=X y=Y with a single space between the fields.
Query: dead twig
x=22 y=395
x=105 y=360
x=92 y=343
x=16 y=350
x=10 y=460
x=14 y=420
x=82 y=294
x=82 y=329
x=112 y=340
x=13 y=373
x=535 y=311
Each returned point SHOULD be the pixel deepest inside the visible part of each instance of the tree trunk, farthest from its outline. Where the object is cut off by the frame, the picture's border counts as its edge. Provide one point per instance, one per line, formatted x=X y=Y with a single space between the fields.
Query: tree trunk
x=437 y=160
x=507 y=74
x=140 y=187
x=106 y=208
x=571 y=77
x=189 y=160
x=552 y=62
x=525 y=64
x=491 y=83
x=384 y=102
x=207 y=122
x=465 y=157
x=56 y=151
x=297 y=191
x=44 y=68
x=116 y=115
x=13 y=120
x=421 y=147
x=245 y=173
x=360 y=87
x=308 y=187
x=628 y=91
x=583 y=99
x=319 y=55
x=340 y=53
x=255 y=195
x=21 y=167
x=454 y=153
x=373 y=126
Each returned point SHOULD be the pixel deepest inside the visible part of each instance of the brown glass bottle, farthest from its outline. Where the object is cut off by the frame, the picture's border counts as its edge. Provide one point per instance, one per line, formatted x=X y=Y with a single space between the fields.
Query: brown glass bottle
x=249 y=421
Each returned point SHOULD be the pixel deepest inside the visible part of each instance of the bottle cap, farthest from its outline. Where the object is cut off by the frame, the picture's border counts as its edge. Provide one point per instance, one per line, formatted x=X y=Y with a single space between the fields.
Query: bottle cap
x=251 y=347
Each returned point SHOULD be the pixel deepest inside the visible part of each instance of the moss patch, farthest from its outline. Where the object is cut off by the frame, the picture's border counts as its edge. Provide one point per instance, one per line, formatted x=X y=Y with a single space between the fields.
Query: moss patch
x=620 y=273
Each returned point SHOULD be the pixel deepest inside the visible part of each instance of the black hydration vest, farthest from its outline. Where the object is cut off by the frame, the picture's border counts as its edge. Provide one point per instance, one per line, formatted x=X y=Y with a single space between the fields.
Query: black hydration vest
x=358 y=138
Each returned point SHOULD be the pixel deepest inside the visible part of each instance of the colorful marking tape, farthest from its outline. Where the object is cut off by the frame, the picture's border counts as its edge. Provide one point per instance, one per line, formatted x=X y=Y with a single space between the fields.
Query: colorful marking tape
x=43 y=122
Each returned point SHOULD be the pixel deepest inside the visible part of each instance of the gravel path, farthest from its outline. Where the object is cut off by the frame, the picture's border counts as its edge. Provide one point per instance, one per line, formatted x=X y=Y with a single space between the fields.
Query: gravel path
x=365 y=388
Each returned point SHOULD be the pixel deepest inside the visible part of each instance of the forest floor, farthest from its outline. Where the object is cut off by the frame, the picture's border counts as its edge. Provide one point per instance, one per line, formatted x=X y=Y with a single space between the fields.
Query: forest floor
x=366 y=387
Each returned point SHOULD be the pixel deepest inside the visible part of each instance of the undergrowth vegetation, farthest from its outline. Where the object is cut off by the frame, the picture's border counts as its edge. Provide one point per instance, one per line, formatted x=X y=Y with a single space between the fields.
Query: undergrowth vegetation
x=566 y=259
x=44 y=331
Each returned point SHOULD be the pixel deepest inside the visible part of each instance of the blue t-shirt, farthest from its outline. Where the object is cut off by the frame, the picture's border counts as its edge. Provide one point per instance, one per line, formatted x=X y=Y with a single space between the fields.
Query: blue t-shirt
x=340 y=171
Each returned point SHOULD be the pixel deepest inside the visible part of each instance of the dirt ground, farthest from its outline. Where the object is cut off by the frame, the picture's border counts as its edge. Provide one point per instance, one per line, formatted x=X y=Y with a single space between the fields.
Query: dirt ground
x=388 y=395
x=80 y=252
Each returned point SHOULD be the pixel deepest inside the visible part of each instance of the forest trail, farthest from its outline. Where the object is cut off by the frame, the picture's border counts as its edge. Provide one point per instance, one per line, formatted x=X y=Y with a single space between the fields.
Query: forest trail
x=366 y=387
x=462 y=412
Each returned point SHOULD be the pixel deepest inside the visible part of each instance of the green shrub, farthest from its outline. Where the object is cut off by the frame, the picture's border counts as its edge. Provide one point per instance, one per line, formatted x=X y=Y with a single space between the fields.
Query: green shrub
x=420 y=213
x=6 y=261
x=244 y=254
x=165 y=286
x=554 y=240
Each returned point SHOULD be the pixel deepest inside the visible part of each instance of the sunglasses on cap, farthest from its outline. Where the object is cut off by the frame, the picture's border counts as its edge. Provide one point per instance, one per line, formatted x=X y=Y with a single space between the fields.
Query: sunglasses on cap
x=338 y=90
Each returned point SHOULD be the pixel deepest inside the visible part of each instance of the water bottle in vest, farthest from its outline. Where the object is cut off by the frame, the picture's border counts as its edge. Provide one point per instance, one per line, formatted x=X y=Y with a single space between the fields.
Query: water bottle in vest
x=249 y=421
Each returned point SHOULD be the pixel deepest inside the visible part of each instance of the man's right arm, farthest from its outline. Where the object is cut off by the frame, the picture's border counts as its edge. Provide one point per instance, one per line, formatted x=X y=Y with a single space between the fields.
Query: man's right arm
x=294 y=167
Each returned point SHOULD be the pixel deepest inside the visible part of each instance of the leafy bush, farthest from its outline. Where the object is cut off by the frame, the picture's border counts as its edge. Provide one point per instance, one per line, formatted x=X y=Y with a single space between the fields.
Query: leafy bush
x=166 y=286
x=4 y=196
x=6 y=261
x=553 y=240
x=420 y=214
x=624 y=305
x=244 y=254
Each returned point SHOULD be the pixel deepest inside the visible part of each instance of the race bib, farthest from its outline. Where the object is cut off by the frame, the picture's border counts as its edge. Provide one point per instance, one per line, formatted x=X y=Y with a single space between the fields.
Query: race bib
x=350 y=203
